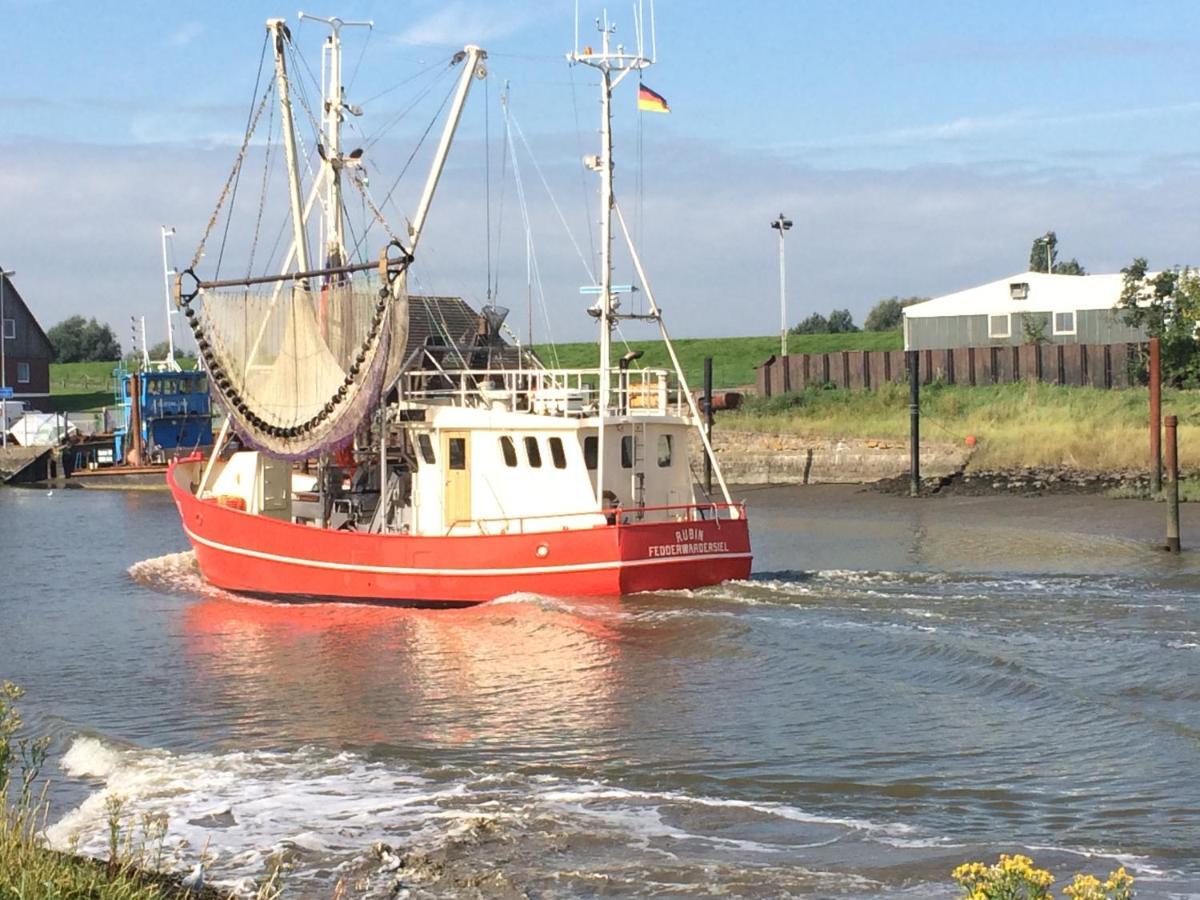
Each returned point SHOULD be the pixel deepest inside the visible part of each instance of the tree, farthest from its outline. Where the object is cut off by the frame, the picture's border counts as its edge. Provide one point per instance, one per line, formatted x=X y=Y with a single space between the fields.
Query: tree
x=841 y=322
x=887 y=315
x=83 y=340
x=1167 y=305
x=1048 y=242
x=814 y=324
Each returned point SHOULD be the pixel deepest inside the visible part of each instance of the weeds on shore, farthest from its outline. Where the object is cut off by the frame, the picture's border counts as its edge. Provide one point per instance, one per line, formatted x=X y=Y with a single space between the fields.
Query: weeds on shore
x=136 y=847
x=1016 y=425
x=1016 y=878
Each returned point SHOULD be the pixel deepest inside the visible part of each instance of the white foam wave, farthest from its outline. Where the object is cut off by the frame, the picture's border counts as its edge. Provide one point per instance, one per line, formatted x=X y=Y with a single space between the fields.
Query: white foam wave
x=326 y=810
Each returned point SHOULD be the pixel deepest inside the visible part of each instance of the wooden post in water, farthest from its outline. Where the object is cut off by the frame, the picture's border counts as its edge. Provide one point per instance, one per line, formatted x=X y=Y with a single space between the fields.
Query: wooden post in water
x=914 y=422
x=708 y=422
x=1156 y=461
x=1172 y=486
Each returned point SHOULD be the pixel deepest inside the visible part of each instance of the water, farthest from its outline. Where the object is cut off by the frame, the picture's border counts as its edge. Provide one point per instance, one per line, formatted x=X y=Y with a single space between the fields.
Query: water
x=900 y=688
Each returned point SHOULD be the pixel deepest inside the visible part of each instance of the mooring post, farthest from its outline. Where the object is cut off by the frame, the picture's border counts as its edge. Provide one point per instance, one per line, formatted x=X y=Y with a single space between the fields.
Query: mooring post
x=1172 y=485
x=1156 y=461
x=914 y=422
x=708 y=422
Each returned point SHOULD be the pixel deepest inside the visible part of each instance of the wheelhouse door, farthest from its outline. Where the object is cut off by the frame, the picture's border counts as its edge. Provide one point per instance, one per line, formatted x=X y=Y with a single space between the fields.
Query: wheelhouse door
x=456 y=502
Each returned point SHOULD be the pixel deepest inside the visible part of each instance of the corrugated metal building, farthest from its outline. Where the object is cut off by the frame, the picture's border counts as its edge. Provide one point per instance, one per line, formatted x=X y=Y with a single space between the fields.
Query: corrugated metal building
x=1021 y=309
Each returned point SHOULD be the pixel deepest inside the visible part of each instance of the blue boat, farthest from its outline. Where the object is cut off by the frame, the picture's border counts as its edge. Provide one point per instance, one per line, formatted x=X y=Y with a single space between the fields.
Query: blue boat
x=170 y=412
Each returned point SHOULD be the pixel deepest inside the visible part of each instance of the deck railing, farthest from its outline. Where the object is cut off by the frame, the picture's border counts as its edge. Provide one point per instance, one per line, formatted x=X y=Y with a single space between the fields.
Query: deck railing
x=618 y=516
x=570 y=393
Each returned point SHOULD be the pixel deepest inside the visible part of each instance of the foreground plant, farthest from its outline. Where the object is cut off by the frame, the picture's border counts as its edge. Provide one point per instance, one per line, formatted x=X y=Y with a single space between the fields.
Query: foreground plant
x=1015 y=878
x=1012 y=878
x=31 y=871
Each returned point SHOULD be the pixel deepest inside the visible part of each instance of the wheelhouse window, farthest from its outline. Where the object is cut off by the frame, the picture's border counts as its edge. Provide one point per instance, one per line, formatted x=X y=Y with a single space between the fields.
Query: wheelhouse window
x=509 y=450
x=591 y=451
x=22 y=373
x=1064 y=323
x=533 y=452
x=664 y=451
x=426 y=447
x=10 y=329
x=456 y=448
x=1000 y=326
x=627 y=452
x=557 y=453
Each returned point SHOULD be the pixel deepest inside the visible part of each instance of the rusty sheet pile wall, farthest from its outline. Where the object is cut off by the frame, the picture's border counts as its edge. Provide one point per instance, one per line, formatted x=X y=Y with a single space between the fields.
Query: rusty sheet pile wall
x=1079 y=365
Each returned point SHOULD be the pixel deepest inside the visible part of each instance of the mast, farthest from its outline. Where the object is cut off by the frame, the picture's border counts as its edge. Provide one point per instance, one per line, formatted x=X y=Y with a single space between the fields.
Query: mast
x=473 y=57
x=334 y=107
x=279 y=29
x=614 y=67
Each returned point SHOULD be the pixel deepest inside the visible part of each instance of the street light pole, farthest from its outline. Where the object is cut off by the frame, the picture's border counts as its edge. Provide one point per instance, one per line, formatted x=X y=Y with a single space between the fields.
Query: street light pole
x=4 y=276
x=781 y=225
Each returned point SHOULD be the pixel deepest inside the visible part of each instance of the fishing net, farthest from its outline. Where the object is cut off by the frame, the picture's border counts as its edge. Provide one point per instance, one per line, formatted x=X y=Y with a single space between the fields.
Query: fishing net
x=298 y=367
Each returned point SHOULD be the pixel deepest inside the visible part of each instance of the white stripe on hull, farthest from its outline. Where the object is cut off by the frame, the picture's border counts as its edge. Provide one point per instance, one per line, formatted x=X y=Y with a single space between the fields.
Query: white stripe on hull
x=402 y=570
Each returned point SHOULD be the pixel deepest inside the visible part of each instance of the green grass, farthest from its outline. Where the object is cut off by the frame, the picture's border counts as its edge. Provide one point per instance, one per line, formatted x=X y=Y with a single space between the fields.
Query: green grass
x=1014 y=424
x=734 y=359
x=85 y=386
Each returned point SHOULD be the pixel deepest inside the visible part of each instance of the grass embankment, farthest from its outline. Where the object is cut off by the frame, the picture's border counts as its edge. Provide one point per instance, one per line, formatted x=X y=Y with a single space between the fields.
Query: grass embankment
x=85 y=386
x=1015 y=425
x=734 y=359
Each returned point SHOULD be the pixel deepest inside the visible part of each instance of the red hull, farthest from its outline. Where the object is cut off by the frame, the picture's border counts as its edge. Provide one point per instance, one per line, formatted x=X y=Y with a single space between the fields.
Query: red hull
x=265 y=557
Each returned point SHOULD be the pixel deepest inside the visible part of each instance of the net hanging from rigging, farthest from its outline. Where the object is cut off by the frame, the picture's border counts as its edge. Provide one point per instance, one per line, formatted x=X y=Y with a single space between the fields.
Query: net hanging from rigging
x=297 y=363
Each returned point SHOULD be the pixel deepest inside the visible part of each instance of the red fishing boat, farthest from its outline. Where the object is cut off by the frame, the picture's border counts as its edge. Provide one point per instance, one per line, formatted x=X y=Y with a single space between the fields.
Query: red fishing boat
x=379 y=463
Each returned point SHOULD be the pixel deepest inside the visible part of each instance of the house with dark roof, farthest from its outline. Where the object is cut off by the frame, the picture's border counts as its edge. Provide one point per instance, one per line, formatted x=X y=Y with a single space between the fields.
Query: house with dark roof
x=27 y=350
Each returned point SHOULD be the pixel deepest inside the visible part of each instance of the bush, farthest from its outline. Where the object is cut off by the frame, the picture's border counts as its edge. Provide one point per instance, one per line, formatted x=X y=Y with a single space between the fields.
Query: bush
x=1015 y=878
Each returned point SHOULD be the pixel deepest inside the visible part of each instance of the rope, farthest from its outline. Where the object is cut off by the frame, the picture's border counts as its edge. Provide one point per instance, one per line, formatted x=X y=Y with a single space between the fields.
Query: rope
x=233 y=199
x=262 y=199
x=237 y=163
x=582 y=174
x=549 y=193
x=487 y=181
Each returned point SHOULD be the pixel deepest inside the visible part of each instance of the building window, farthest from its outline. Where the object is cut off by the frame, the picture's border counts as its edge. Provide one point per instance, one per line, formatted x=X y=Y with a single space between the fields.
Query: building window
x=426 y=446
x=509 y=451
x=10 y=329
x=591 y=451
x=533 y=452
x=1064 y=323
x=664 y=451
x=627 y=452
x=1000 y=326
x=22 y=373
x=457 y=450
x=557 y=453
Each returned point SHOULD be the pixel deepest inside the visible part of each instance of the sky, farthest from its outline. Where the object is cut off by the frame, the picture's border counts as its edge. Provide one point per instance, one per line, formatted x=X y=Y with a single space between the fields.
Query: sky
x=918 y=147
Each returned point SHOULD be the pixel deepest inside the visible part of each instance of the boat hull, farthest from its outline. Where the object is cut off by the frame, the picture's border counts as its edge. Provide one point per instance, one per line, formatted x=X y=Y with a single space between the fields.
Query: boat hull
x=264 y=557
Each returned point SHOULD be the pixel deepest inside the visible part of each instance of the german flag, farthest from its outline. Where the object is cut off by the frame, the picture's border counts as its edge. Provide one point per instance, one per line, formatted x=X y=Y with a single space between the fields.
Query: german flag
x=651 y=101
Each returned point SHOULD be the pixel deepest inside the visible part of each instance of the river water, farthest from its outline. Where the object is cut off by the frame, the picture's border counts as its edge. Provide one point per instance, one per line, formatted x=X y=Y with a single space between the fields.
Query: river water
x=901 y=687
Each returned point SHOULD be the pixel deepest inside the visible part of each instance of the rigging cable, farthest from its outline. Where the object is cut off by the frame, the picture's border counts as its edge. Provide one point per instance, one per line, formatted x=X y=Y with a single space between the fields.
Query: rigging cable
x=582 y=173
x=251 y=120
x=533 y=272
x=549 y=193
x=487 y=182
x=262 y=198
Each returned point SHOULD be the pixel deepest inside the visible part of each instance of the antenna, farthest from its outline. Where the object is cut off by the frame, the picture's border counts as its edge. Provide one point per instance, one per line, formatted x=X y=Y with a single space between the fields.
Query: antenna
x=653 y=37
x=169 y=272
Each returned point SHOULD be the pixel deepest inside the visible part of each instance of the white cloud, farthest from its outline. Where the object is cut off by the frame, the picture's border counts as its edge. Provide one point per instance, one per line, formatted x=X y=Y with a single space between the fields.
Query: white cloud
x=860 y=235
x=460 y=22
x=185 y=34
